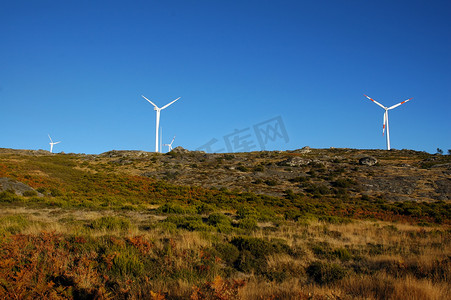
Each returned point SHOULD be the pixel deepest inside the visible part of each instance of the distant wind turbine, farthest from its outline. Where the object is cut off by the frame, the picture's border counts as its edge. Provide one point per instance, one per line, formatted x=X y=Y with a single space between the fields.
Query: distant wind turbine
x=170 y=145
x=158 y=110
x=385 y=124
x=52 y=143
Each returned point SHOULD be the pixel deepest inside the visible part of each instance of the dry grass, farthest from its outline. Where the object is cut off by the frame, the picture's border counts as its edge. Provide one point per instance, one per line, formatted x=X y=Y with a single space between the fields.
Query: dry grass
x=382 y=260
x=378 y=287
x=383 y=286
x=258 y=289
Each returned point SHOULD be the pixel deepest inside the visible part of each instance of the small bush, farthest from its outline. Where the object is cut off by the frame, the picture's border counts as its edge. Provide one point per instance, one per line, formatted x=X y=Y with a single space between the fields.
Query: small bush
x=167 y=226
x=342 y=254
x=227 y=252
x=248 y=223
x=324 y=273
x=253 y=253
x=365 y=198
x=245 y=211
x=218 y=218
x=205 y=208
x=9 y=197
x=258 y=168
x=221 y=222
x=55 y=192
x=41 y=190
x=260 y=247
x=271 y=182
x=344 y=183
x=293 y=214
x=242 y=169
x=300 y=179
x=127 y=264
x=191 y=223
x=267 y=214
x=171 y=208
x=224 y=228
x=249 y=263
x=318 y=189
x=30 y=193
x=289 y=194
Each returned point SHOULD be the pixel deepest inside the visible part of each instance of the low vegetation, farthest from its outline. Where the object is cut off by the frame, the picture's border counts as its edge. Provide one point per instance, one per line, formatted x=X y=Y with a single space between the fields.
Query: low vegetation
x=94 y=228
x=185 y=256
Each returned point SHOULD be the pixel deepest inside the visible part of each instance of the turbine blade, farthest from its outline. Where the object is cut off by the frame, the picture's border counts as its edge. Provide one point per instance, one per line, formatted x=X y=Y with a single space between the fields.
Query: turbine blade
x=50 y=138
x=396 y=105
x=173 y=139
x=56 y=143
x=170 y=103
x=150 y=101
x=385 y=121
x=375 y=102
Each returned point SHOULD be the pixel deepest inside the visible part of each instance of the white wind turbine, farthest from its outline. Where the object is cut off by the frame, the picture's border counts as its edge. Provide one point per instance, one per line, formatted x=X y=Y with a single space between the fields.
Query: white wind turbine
x=170 y=145
x=385 y=124
x=52 y=143
x=158 y=110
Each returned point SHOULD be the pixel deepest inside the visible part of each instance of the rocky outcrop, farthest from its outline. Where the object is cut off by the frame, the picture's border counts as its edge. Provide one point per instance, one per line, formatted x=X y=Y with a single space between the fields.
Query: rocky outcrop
x=368 y=161
x=180 y=149
x=295 y=162
x=394 y=184
x=304 y=150
x=443 y=189
x=17 y=187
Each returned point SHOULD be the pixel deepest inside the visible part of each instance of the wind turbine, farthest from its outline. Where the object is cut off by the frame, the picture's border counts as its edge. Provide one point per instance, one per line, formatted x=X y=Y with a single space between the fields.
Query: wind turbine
x=170 y=145
x=52 y=143
x=158 y=110
x=385 y=124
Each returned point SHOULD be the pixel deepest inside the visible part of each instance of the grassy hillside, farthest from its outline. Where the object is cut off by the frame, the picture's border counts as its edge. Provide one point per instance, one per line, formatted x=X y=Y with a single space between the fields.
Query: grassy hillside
x=309 y=223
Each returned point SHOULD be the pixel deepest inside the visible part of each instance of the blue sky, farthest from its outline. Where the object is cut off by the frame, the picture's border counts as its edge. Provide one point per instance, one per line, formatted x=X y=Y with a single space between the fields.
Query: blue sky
x=77 y=70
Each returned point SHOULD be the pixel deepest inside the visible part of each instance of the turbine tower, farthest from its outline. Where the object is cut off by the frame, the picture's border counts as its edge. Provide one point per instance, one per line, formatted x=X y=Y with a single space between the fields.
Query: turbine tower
x=385 y=124
x=158 y=110
x=170 y=145
x=52 y=143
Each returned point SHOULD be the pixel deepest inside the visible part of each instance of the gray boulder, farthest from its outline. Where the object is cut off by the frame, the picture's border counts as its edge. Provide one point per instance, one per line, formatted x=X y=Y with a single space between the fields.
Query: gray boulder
x=18 y=187
x=368 y=161
x=295 y=162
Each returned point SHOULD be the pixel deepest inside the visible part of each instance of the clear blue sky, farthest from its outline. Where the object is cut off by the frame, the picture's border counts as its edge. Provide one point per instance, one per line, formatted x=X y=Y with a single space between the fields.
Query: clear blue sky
x=77 y=70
